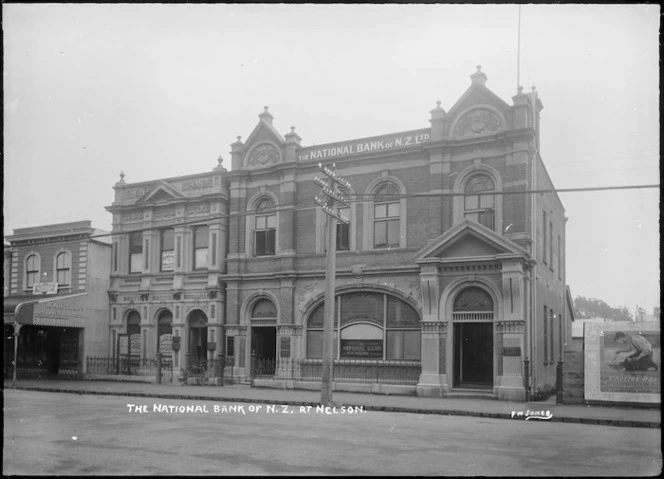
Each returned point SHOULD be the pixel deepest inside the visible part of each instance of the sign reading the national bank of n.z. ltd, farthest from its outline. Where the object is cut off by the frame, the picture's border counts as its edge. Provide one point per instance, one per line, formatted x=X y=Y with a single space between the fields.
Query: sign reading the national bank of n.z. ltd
x=366 y=145
x=362 y=348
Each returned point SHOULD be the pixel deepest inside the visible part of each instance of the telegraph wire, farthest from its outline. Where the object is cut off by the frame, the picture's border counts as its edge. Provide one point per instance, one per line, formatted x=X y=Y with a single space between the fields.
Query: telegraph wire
x=307 y=202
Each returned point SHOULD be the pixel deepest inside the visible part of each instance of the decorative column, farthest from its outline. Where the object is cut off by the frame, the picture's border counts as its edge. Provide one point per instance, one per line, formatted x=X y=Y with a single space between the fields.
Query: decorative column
x=288 y=336
x=433 y=380
x=510 y=329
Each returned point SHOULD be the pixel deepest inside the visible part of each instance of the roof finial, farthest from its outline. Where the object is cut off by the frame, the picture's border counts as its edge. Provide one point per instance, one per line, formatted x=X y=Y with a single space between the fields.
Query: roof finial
x=122 y=175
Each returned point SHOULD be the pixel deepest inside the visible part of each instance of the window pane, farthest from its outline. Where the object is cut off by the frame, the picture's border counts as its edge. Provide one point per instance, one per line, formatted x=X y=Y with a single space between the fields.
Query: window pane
x=31 y=279
x=471 y=203
x=486 y=218
x=342 y=237
x=380 y=234
x=400 y=314
x=200 y=258
x=362 y=307
x=412 y=345
x=272 y=221
x=380 y=211
x=261 y=222
x=135 y=262
x=394 y=345
x=60 y=262
x=393 y=233
x=486 y=201
x=136 y=242
x=167 y=240
x=201 y=237
x=393 y=210
x=314 y=344
x=269 y=241
x=63 y=276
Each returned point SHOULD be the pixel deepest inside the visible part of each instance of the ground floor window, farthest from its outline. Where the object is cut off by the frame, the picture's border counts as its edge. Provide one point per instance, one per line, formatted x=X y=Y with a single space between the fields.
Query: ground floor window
x=47 y=348
x=368 y=325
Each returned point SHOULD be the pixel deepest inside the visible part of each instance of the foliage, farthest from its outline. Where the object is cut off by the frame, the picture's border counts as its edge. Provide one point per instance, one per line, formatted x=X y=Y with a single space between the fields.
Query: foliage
x=596 y=308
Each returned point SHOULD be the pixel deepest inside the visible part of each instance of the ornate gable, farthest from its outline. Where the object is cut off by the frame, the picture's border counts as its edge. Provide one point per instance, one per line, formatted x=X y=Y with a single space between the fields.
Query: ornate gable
x=161 y=192
x=467 y=240
x=264 y=146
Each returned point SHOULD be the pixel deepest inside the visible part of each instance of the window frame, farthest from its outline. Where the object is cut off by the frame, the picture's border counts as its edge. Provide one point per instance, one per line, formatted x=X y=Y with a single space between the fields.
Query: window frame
x=315 y=334
x=162 y=250
x=196 y=233
x=266 y=233
x=35 y=273
x=66 y=267
x=388 y=220
x=135 y=248
x=476 y=213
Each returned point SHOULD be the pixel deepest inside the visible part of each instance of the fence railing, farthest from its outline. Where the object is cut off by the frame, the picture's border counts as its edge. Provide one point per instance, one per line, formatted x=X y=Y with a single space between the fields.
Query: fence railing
x=114 y=365
x=344 y=371
x=220 y=368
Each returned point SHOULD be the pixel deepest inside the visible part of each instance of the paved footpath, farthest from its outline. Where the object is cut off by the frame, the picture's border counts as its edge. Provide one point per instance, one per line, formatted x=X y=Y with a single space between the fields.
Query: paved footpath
x=456 y=406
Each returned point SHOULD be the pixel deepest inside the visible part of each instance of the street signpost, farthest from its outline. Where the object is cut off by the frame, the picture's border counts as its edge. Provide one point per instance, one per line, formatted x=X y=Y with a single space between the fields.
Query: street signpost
x=333 y=196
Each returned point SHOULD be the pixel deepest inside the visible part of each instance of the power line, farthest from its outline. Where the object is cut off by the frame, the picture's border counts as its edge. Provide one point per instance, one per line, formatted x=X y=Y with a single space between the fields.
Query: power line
x=307 y=202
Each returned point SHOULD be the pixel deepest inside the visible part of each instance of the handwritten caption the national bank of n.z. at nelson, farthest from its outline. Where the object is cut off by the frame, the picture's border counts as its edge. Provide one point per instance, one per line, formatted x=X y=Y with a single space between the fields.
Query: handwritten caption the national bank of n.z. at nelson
x=242 y=409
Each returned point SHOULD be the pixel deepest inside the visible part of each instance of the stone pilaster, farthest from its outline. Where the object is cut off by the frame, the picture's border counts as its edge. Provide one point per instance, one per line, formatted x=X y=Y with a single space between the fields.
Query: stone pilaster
x=433 y=380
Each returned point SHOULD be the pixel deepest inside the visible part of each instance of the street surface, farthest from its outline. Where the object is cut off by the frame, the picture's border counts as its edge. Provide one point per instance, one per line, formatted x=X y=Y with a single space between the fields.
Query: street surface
x=66 y=434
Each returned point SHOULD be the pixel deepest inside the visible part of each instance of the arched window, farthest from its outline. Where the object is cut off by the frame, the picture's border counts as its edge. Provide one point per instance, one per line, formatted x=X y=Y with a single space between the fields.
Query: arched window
x=265 y=227
x=32 y=270
x=264 y=309
x=386 y=216
x=63 y=268
x=472 y=304
x=373 y=326
x=477 y=206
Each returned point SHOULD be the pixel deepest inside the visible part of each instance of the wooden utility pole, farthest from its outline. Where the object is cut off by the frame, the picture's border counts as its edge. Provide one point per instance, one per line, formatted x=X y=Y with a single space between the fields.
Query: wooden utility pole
x=334 y=196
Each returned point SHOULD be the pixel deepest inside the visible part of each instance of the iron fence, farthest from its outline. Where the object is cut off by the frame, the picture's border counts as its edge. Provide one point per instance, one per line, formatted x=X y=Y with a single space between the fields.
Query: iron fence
x=116 y=365
x=344 y=371
x=218 y=371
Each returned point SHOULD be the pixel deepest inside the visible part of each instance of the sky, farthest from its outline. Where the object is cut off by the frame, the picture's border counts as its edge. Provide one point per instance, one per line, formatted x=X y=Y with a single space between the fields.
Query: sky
x=157 y=91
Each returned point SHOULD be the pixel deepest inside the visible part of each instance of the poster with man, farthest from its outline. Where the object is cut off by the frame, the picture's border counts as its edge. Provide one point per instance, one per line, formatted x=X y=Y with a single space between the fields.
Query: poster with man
x=630 y=361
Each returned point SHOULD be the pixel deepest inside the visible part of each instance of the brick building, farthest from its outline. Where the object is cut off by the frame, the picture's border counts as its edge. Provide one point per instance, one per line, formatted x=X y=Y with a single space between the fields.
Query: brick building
x=448 y=272
x=169 y=252
x=450 y=275
x=55 y=296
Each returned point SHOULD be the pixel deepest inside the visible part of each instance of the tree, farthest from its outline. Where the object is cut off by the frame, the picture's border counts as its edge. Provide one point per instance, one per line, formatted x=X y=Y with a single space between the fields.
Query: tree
x=596 y=308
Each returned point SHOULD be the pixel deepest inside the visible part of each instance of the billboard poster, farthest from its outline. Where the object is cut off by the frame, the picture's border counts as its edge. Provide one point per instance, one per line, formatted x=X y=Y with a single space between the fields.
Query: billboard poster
x=622 y=362
x=630 y=361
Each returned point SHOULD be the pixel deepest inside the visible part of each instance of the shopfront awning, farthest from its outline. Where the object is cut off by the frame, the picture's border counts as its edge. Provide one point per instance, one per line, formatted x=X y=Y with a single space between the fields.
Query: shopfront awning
x=67 y=310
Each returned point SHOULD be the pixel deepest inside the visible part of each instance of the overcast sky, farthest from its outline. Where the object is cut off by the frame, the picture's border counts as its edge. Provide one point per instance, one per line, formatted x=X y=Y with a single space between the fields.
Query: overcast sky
x=162 y=90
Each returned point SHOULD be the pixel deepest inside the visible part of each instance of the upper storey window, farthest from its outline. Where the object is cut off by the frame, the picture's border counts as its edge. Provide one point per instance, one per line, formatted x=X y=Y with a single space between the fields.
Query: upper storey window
x=168 y=250
x=32 y=268
x=265 y=227
x=63 y=268
x=201 y=246
x=135 y=252
x=477 y=206
x=386 y=217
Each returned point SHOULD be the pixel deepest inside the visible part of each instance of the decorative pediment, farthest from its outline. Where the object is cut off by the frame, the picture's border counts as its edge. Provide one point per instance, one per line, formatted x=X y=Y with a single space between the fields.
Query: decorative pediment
x=478 y=121
x=466 y=240
x=263 y=147
x=161 y=192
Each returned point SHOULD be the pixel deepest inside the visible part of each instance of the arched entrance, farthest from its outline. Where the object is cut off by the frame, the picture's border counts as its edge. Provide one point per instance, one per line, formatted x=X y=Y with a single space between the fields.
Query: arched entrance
x=264 y=334
x=472 y=316
x=133 y=346
x=198 y=336
x=165 y=332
